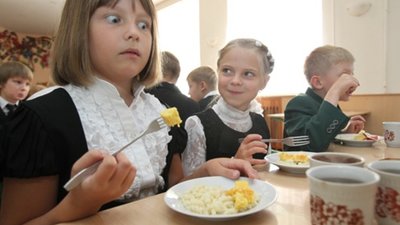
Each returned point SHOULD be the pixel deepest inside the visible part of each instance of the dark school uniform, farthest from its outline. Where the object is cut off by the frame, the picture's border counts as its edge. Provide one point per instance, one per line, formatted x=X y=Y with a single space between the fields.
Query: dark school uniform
x=222 y=141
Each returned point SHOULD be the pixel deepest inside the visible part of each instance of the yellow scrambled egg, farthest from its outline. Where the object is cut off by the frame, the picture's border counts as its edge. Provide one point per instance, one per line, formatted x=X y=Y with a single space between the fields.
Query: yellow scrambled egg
x=364 y=136
x=360 y=136
x=171 y=117
x=243 y=196
x=295 y=158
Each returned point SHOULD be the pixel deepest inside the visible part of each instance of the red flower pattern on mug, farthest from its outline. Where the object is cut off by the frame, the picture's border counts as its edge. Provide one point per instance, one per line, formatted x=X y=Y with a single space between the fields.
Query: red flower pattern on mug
x=388 y=203
x=323 y=213
x=389 y=135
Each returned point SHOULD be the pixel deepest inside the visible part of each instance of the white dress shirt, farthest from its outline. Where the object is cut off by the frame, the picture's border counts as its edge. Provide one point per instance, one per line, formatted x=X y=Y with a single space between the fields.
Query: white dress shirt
x=109 y=124
x=3 y=105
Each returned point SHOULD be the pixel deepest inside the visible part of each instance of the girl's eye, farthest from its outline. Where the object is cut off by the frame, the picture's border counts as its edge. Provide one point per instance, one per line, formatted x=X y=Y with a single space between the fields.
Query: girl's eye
x=226 y=71
x=143 y=25
x=249 y=75
x=113 y=19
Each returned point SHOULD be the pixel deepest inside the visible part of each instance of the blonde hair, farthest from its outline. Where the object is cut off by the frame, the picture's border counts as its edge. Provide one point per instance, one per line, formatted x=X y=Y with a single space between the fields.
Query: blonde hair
x=267 y=59
x=71 y=60
x=14 y=69
x=206 y=74
x=323 y=58
x=170 y=66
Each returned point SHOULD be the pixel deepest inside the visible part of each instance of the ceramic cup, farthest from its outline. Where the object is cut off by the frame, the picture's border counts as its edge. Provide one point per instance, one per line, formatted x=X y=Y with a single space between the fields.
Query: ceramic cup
x=341 y=194
x=392 y=134
x=331 y=158
x=387 y=208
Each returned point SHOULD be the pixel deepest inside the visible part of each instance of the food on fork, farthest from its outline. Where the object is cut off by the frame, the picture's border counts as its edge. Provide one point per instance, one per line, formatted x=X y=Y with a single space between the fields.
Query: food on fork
x=297 y=159
x=362 y=136
x=171 y=117
x=214 y=200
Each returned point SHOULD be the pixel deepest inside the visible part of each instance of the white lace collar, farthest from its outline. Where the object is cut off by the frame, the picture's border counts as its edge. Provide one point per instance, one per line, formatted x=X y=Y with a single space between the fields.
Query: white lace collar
x=104 y=88
x=234 y=118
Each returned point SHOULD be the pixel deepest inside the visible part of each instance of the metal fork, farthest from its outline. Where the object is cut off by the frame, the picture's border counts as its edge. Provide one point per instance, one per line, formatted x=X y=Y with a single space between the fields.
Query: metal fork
x=155 y=125
x=289 y=141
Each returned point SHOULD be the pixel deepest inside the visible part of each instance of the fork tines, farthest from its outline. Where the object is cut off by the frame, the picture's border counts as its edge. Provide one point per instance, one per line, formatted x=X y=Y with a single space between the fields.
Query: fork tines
x=297 y=140
x=304 y=137
x=161 y=122
x=303 y=142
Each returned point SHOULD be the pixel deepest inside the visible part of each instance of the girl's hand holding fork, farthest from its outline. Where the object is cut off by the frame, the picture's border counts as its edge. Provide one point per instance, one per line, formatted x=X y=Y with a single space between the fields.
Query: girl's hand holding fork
x=251 y=145
x=112 y=179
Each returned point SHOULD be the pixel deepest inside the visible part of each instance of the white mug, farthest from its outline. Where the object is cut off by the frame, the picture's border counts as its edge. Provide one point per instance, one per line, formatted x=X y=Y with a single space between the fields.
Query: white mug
x=392 y=134
x=387 y=208
x=341 y=194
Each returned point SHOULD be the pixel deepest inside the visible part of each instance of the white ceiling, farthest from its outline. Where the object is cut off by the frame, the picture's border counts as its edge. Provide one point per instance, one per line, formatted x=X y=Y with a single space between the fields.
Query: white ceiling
x=38 y=17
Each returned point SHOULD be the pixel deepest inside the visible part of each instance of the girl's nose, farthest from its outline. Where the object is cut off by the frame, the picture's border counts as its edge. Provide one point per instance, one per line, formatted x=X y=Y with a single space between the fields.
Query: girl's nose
x=132 y=33
x=236 y=79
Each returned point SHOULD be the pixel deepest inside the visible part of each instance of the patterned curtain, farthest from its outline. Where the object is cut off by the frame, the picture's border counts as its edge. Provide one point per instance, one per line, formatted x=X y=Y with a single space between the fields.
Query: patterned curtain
x=28 y=50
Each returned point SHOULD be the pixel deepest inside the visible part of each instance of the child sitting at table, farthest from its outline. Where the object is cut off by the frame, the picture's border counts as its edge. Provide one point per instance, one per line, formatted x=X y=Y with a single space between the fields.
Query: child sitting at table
x=244 y=66
x=105 y=54
x=202 y=83
x=329 y=71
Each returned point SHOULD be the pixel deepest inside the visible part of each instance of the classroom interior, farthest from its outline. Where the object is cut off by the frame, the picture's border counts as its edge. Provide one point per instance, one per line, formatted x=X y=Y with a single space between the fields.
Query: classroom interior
x=368 y=28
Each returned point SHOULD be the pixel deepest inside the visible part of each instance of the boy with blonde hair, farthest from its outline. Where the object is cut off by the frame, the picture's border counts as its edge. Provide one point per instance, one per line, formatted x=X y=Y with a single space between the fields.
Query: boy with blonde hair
x=202 y=83
x=316 y=113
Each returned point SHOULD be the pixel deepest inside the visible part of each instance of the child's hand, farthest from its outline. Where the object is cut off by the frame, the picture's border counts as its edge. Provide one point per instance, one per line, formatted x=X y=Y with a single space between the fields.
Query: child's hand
x=112 y=178
x=251 y=145
x=355 y=125
x=342 y=89
x=230 y=168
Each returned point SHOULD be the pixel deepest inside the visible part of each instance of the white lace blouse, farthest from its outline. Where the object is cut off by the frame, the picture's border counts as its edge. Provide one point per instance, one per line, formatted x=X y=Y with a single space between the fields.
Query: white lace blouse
x=195 y=152
x=108 y=124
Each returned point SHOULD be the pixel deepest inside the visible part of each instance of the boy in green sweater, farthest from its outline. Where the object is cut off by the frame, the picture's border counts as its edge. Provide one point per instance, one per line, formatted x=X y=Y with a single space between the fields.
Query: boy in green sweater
x=316 y=113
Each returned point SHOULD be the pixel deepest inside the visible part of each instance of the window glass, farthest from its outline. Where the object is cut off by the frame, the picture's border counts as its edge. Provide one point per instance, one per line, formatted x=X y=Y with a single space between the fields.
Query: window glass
x=179 y=34
x=291 y=29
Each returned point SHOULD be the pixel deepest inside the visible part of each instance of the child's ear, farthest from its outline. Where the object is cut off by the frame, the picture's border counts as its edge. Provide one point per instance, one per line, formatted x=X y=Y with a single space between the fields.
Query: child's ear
x=203 y=85
x=315 y=82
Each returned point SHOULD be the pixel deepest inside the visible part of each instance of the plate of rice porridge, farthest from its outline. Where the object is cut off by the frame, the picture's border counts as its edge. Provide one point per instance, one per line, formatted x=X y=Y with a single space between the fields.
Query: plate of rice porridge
x=218 y=198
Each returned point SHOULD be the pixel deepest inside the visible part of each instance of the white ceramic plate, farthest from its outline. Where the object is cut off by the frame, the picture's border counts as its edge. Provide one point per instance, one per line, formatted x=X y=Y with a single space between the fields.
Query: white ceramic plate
x=289 y=167
x=266 y=192
x=348 y=139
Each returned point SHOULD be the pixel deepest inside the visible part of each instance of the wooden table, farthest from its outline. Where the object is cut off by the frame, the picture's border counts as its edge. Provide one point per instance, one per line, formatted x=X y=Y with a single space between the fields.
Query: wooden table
x=292 y=206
